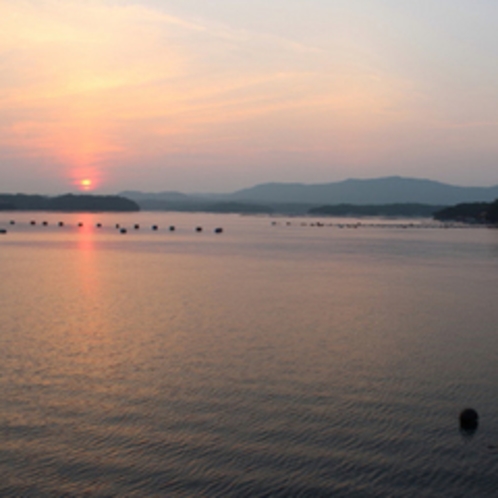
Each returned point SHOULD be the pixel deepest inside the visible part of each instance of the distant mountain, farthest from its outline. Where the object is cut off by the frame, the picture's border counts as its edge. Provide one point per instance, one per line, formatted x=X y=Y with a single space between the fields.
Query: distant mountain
x=209 y=203
x=389 y=190
x=136 y=195
x=298 y=198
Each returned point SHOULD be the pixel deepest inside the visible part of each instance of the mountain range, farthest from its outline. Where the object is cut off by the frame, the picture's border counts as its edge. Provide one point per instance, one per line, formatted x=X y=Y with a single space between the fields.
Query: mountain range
x=389 y=190
x=298 y=197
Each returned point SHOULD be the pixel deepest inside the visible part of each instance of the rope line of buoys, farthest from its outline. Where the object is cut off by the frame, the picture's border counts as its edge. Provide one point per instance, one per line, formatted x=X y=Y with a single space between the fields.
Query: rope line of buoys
x=356 y=225
x=118 y=226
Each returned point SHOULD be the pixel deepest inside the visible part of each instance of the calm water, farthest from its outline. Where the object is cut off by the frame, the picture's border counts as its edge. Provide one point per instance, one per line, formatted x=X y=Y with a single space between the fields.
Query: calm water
x=265 y=361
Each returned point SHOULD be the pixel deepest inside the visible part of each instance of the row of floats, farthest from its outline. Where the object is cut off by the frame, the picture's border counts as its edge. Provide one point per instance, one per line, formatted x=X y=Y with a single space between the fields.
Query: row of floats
x=356 y=225
x=117 y=226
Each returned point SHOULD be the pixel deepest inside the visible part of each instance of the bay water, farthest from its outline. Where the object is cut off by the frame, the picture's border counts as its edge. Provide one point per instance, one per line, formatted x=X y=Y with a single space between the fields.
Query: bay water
x=273 y=359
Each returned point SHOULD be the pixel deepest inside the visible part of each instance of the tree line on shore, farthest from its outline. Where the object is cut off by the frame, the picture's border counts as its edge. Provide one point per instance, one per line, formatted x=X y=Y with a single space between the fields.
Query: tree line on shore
x=473 y=212
x=68 y=203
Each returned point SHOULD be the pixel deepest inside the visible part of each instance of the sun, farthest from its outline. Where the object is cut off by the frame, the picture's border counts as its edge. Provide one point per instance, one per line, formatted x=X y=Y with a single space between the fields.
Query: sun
x=85 y=184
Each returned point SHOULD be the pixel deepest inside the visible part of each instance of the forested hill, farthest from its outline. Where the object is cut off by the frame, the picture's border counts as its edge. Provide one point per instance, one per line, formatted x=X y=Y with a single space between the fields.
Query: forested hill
x=67 y=203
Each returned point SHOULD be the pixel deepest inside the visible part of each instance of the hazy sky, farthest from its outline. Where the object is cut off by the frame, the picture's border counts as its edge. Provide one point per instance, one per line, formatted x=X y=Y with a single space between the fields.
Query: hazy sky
x=216 y=95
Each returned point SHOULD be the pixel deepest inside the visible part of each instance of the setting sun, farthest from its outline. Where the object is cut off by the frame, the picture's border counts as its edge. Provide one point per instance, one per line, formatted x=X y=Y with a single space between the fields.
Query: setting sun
x=86 y=184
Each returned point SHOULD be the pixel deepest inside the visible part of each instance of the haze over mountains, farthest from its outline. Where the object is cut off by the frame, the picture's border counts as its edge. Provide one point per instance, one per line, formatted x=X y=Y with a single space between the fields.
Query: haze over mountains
x=274 y=196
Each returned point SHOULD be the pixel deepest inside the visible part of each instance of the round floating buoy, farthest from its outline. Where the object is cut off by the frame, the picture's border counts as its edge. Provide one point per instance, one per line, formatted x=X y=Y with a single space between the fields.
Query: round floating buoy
x=171 y=228
x=33 y=222
x=61 y=223
x=154 y=227
x=80 y=224
x=117 y=225
x=45 y=223
x=218 y=230
x=99 y=225
x=136 y=227
x=198 y=229
x=123 y=230
x=469 y=419
x=12 y=222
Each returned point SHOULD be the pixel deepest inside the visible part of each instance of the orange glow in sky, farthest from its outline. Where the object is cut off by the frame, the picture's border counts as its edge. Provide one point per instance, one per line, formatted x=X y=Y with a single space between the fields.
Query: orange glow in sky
x=104 y=94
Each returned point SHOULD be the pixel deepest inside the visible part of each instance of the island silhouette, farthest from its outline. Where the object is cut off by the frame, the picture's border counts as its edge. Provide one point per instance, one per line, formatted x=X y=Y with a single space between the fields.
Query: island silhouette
x=67 y=203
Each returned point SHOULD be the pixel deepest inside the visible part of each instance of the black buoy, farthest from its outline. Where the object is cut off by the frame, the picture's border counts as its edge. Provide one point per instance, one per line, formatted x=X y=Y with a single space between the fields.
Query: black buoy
x=117 y=225
x=99 y=225
x=136 y=227
x=80 y=224
x=171 y=228
x=198 y=229
x=469 y=420
x=218 y=230
x=33 y=222
x=154 y=227
x=123 y=230
x=45 y=223
x=2 y=230
x=61 y=223
x=12 y=222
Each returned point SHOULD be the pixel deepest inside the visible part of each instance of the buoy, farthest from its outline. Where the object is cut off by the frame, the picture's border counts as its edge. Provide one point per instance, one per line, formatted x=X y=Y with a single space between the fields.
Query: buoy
x=33 y=222
x=61 y=223
x=2 y=230
x=80 y=224
x=45 y=223
x=123 y=230
x=171 y=228
x=218 y=230
x=154 y=227
x=136 y=227
x=198 y=229
x=469 y=419
x=12 y=222
x=99 y=225
x=117 y=225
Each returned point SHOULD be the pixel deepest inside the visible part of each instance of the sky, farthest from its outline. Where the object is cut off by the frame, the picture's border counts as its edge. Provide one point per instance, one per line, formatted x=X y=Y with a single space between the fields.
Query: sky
x=218 y=95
